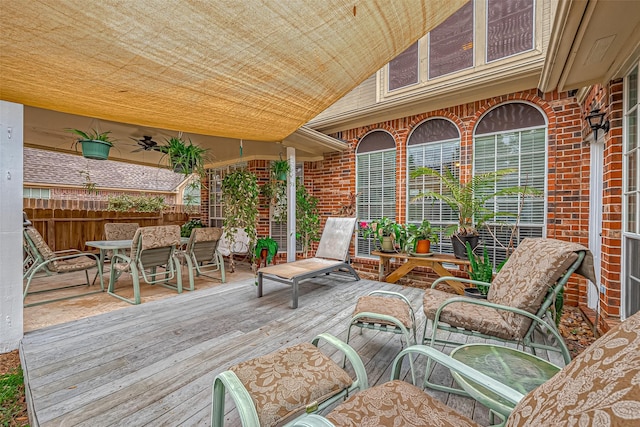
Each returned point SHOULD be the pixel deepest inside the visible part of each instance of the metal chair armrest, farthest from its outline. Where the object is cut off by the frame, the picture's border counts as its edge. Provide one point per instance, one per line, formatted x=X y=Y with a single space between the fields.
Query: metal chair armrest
x=361 y=381
x=228 y=381
x=459 y=279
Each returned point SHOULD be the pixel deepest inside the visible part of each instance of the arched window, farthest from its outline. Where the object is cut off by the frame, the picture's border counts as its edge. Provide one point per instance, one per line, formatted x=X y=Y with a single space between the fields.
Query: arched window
x=513 y=135
x=435 y=143
x=375 y=181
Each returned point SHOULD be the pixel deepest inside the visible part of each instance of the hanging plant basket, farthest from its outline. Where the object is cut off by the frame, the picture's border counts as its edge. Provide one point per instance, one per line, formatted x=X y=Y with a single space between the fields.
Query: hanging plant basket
x=96 y=150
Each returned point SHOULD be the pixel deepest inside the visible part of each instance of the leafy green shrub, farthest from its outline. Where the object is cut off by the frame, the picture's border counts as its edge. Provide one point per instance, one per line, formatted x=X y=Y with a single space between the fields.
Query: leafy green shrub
x=142 y=203
x=185 y=229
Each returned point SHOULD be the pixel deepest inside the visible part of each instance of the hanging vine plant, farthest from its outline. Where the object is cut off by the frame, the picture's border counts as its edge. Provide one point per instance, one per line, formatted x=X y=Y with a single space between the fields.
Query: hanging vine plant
x=240 y=193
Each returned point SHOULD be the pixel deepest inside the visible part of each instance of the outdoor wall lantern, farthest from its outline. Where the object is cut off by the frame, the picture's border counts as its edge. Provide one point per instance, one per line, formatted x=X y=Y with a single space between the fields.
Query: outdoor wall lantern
x=596 y=121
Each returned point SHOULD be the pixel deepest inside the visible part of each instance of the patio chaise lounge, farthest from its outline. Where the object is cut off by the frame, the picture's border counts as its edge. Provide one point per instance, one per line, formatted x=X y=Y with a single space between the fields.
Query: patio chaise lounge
x=332 y=255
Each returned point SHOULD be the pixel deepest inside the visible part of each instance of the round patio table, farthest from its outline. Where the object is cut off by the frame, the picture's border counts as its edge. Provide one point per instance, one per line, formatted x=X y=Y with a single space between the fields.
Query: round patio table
x=514 y=368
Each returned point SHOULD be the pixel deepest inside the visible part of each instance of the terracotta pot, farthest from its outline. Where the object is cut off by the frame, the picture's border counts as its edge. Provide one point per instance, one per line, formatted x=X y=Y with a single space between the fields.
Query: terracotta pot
x=423 y=246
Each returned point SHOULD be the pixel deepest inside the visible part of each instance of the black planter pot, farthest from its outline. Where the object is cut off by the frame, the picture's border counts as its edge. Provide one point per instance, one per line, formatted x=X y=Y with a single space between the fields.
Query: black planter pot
x=474 y=293
x=459 y=245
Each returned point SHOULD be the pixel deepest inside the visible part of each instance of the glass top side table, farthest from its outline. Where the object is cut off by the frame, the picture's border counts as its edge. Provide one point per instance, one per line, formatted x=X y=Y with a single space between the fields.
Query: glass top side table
x=519 y=370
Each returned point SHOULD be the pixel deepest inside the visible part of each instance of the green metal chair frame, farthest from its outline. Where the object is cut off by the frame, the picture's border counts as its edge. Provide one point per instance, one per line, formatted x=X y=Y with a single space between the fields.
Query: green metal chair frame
x=386 y=323
x=151 y=247
x=39 y=257
x=228 y=382
x=538 y=323
x=600 y=386
x=201 y=254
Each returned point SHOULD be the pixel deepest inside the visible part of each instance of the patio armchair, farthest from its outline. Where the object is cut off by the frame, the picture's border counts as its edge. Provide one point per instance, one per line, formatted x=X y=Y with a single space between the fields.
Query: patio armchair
x=599 y=387
x=151 y=248
x=120 y=231
x=278 y=388
x=201 y=254
x=520 y=297
x=332 y=255
x=40 y=258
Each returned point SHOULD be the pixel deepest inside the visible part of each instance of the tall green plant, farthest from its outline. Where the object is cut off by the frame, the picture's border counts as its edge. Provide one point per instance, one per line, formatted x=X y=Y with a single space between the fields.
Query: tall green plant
x=481 y=268
x=307 y=218
x=240 y=193
x=468 y=199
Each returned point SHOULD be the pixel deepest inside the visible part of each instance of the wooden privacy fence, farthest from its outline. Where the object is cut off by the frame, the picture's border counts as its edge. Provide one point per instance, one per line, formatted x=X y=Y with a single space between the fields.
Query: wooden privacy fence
x=71 y=228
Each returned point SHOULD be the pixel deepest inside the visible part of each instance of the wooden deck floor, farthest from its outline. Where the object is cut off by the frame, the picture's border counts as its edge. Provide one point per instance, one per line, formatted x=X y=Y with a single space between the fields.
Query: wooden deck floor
x=154 y=364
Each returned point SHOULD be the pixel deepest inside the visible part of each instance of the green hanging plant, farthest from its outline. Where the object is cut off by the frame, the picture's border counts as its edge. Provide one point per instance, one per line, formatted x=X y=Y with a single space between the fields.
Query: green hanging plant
x=240 y=193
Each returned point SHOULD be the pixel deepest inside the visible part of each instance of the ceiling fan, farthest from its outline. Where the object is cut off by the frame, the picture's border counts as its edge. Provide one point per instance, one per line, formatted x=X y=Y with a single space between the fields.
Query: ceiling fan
x=145 y=143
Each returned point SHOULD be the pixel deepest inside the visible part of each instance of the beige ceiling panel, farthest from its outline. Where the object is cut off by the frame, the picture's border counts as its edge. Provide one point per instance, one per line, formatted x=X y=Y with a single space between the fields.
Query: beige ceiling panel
x=237 y=69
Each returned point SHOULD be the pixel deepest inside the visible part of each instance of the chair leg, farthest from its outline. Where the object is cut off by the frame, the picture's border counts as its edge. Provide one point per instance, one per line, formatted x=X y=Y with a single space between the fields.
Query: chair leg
x=221 y=264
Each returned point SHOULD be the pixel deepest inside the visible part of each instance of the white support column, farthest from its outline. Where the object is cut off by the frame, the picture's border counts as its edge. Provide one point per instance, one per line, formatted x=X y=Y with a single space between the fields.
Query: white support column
x=291 y=205
x=11 y=153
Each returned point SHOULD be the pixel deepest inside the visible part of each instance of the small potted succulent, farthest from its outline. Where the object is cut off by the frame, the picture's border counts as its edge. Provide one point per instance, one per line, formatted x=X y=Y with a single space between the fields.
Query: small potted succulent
x=94 y=144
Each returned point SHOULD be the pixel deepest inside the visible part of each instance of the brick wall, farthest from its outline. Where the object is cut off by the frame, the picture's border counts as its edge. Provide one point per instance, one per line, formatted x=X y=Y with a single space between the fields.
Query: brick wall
x=333 y=179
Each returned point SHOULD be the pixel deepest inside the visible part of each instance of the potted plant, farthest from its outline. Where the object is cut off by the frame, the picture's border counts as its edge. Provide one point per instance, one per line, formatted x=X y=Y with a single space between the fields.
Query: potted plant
x=384 y=232
x=240 y=193
x=467 y=200
x=481 y=270
x=421 y=236
x=94 y=144
x=280 y=169
x=307 y=218
x=184 y=156
x=266 y=249
x=275 y=190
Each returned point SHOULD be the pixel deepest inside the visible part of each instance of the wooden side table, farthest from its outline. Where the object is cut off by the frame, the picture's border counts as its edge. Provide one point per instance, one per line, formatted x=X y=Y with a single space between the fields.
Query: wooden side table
x=433 y=261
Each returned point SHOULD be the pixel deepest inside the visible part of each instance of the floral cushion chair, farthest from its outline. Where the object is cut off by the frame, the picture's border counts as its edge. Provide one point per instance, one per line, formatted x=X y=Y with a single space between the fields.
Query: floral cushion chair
x=600 y=387
x=151 y=248
x=519 y=297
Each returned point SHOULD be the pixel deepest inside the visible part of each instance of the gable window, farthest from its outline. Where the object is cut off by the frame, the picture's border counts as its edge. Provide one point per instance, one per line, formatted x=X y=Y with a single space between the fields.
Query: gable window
x=434 y=144
x=509 y=28
x=375 y=182
x=403 y=69
x=36 y=193
x=451 y=43
x=512 y=135
x=631 y=200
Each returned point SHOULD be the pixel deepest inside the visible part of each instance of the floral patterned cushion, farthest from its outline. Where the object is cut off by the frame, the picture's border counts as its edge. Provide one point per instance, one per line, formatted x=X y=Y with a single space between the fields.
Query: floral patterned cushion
x=75 y=264
x=120 y=230
x=469 y=316
x=395 y=404
x=600 y=387
x=523 y=282
x=282 y=384
x=81 y=262
x=389 y=306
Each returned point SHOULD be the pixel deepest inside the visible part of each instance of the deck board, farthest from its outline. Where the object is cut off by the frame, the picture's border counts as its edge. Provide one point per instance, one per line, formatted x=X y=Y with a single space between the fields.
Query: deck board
x=154 y=364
